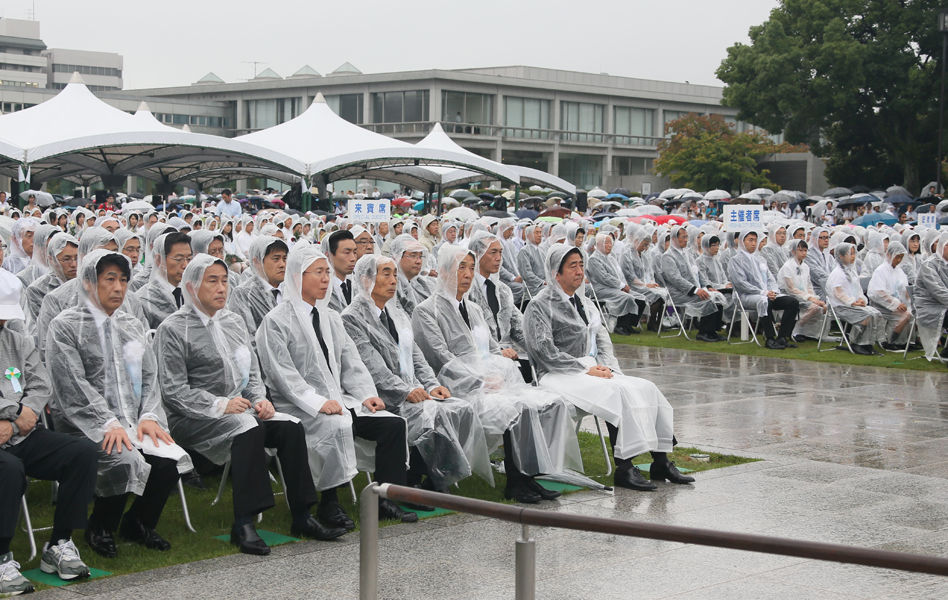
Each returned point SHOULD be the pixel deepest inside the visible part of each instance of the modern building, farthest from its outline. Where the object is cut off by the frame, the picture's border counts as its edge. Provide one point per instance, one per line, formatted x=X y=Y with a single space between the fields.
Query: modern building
x=102 y=71
x=22 y=63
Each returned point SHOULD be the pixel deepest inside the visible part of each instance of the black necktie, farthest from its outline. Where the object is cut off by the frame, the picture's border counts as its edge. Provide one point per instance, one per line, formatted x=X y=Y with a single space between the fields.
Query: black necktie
x=275 y=293
x=389 y=325
x=178 y=300
x=492 y=301
x=347 y=291
x=579 y=308
x=319 y=336
x=463 y=310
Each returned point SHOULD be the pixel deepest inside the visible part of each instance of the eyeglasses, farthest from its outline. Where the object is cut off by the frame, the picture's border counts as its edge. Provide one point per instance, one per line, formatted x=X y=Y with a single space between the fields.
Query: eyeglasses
x=365 y=243
x=179 y=259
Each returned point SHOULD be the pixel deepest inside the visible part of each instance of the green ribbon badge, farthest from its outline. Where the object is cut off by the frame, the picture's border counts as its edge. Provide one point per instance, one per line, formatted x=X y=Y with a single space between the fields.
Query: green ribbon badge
x=13 y=374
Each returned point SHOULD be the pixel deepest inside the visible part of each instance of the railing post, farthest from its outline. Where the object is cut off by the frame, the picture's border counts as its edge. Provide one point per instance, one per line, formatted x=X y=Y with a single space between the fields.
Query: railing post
x=526 y=585
x=369 y=543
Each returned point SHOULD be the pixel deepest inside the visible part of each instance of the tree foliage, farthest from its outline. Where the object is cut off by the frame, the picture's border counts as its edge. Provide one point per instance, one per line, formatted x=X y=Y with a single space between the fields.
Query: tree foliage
x=857 y=80
x=707 y=153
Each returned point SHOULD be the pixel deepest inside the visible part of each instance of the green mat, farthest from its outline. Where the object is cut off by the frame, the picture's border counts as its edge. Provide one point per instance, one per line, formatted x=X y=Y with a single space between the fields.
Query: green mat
x=425 y=514
x=38 y=576
x=271 y=539
x=646 y=466
x=556 y=486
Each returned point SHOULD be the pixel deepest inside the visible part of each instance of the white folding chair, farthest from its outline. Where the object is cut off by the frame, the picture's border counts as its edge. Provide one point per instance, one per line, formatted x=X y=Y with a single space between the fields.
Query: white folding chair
x=270 y=452
x=682 y=330
x=745 y=317
x=603 y=310
x=842 y=330
x=28 y=523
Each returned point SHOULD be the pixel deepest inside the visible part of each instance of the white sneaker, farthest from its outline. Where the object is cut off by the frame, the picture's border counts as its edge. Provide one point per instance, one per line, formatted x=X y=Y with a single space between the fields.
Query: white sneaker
x=12 y=583
x=63 y=559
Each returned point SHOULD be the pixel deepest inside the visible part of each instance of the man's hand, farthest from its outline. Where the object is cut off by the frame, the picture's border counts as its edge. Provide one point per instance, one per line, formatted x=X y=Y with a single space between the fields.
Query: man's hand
x=417 y=395
x=902 y=308
x=509 y=353
x=114 y=438
x=518 y=279
x=859 y=303
x=236 y=406
x=600 y=371
x=6 y=431
x=728 y=286
x=26 y=421
x=702 y=293
x=818 y=302
x=441 y=393
x=265 y=410
x=331 y=407
x=771 y=295
x=626 y=289
x=374 y=404
x=652 y=285
x=154 y=431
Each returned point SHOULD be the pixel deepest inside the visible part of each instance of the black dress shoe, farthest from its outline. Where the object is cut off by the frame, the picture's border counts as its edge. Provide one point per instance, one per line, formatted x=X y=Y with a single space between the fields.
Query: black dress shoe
x=786 y=343
x=633 y=480
x=622 y=331
x=522 y=494
x=101 y=541
x=419 y=507
x=892 y=347
x=857 y=349
x=634 y=330
x=134 y=530
x=193 y=480
x=773 y=344
x=245 y=537
x=668 y=472
x=541 y=491
x=334 y=515
x=653 y=327
x=389 y=511
x=708 y=337
x=316 y=530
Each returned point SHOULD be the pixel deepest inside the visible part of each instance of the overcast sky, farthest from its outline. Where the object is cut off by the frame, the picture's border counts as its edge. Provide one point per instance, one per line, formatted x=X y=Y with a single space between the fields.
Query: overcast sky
x=176 y=42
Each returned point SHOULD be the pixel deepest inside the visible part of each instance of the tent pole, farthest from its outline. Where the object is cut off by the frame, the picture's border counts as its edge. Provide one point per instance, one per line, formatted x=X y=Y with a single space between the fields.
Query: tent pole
x=517 y=197
x=440 y=200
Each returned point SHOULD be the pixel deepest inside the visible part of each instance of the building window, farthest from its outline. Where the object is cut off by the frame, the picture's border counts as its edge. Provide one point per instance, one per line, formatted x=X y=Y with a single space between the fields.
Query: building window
x=348 y=106
x=631 y=165
x=179 y=119
x=532 y=114
x=461 y=107
x=673 y=115
x=583 y=119
x=87 y=70
x=400 y=107
x=634 y=126
x=582 y=170
x=267 y=113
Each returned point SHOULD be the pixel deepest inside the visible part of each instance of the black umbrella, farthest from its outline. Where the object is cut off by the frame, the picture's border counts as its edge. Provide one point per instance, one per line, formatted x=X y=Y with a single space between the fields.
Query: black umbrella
x=605 y=216
x=387 y=196
x=137 y=196
x=859 y=189
x=76 y=201
x=560 y=194
x=925 y=208
x=500 y=214
x=320 y=212
x=240 y=196
x=526 y=213
x=837 y=192
x=622 y=191
x=858 y=199
x=470 y=200
x=899 y=199
x=897 y=190
x=486 y=196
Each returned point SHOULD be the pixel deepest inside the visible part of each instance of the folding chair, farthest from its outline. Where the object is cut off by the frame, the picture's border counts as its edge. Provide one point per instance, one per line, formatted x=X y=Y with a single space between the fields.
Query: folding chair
x=184 y=507
x=842 y=330
x=526 y=297
x=28 y=523
x=682 y=330
x=745 y=315
x=270 y=452
x=603 y=311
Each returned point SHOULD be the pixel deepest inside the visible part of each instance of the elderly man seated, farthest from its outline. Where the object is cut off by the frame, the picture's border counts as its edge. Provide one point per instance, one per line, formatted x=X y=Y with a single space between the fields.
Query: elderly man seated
x=414 y=287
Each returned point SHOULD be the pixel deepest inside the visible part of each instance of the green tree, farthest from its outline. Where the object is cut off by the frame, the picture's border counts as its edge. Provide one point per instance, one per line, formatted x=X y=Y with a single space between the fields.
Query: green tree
x=857 y=80
x=706 y=153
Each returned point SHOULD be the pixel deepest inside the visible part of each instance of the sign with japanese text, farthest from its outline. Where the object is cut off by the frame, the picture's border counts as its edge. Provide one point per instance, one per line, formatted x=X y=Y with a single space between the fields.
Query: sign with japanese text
x=742 y=217
x=369 y=211
x=928 y=220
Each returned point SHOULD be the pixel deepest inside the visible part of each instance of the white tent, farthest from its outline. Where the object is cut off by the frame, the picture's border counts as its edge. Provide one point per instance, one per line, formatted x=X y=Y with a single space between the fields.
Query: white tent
x=437 y=139
x=76 y=135
x=334 y=149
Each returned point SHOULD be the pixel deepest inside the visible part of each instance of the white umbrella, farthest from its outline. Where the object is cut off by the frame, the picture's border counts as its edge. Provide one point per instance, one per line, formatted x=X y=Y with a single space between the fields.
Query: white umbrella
x=597 y=193
x=942 y=206
x=626 y=212
x=670 y=193
x=43 y=199
x=449 y=201
x=461 y=213
x=750 y=196
x=138 y=205
x=648 y=209
x=763 y=192
x=717 y=195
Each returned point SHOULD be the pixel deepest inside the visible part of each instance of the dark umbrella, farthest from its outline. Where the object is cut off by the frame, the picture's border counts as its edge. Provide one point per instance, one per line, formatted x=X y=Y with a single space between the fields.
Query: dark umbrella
x=470 y=200
x=859 y=189
x=461 y=194
x=858 y=199
x=837 y=192
x=556 y=211
x=526 y=213
x=943 y=221
x=925 y=208
x=897 y=190
x=240 y=196
x=76 y=201
x=622 y=191
x=387 y=196
x=137 y=196
x=899 y=199
x=486 y=196
x=560 y=194
x=500 y=214
x=320 y=212
x=602 y=216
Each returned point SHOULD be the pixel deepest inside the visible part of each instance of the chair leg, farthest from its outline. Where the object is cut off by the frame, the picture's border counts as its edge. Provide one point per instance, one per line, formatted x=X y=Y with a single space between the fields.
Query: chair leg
x=282 y=482
x=184 y=507
x=29 y=528
x=605 y=447
x=352 y=488
x=220 y=490
x=908 y=341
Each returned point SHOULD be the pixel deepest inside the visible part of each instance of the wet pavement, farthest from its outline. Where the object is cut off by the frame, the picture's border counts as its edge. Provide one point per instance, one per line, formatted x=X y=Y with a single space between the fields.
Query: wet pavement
x=852 y=455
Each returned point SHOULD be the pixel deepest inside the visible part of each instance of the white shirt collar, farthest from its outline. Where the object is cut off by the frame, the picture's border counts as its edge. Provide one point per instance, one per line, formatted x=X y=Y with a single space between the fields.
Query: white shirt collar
x=566 y=297
x=375 y=310
x=201 y=315
x=98 y=315
x=303 y=306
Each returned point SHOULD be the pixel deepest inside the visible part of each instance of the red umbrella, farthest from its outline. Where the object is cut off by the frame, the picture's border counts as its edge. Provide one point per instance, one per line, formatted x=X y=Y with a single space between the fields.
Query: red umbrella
x=556 y=211
x=401 y=201
x=663 y=219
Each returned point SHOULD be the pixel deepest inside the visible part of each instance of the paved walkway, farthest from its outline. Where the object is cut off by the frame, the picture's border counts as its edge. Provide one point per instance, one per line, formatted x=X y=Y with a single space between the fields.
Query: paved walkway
x=853 y=455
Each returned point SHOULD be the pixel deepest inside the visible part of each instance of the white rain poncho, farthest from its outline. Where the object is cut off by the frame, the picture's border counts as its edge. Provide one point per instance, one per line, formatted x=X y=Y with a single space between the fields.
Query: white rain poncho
x=711 y=271
x=606 y=278
x=931 y=296
x=843 y=289
x=509 y=271
x=930 y=238
x=530 y=263
x=793 y=279
x=874 y=257
x=412 y=292
x=142 y=277
x=203 y=363
x=255 y=297
x=888 y=288
x=507 y=327
x=774 y=253
x=820 y=262
x=751 y=278
x=469 y=363
x=122 y=237
x=18 y=351
x=681 y=276
x=245 y=237
x=200 y=242
x=445 y=228
x=637 y=267
x=300 y=380
x=564 y=346
x=106 y=378
x=18 y=259
x=912 y=261
x=447 y=433
x=32 y=301
x=157 y=296
x=37 y=267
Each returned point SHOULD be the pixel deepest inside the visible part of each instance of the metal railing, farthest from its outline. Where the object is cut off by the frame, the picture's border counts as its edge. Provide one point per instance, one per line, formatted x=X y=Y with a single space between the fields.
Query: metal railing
x=515 y=133
x=526 y=548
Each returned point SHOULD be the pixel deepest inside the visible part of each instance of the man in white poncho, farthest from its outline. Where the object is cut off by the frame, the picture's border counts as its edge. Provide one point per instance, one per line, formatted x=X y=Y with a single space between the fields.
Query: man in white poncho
x=889 y=294
x=217 y=406
x=106 y=390
x=446 y=436
x=573 y=355
x=536 y=426
x=314 y=372
x=793 y=279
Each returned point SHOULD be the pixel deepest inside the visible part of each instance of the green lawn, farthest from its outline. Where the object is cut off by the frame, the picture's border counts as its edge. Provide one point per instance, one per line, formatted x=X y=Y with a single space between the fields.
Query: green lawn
x=806 y=351
x=213 y=521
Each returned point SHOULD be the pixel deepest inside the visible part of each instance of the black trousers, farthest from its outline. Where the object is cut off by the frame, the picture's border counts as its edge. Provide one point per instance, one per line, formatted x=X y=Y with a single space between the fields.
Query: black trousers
x=249 y=468
x=614 y=435
x=147 y=508
x=391 y=446
x=70 y=460
x=711 y=323
x=790 y=307
x=525 y=370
